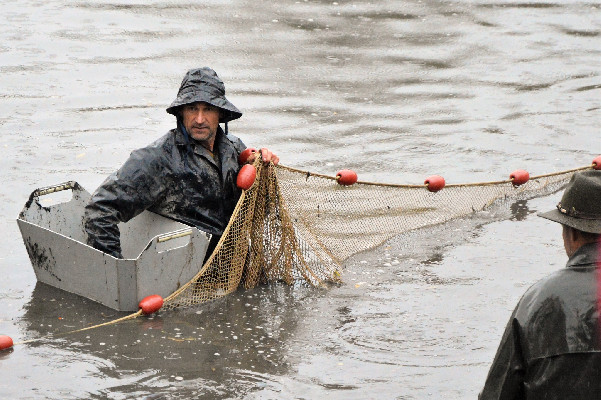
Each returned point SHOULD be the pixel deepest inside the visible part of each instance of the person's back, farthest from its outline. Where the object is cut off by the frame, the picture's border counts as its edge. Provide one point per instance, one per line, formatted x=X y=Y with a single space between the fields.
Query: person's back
x=551 y=346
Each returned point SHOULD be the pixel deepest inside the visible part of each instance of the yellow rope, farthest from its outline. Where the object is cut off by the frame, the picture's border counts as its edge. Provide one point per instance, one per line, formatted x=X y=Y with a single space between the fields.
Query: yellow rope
x=489 y=183
x=127 y=317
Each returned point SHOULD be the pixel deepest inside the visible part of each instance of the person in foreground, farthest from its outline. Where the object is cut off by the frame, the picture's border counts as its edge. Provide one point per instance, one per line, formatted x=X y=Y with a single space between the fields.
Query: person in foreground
x=188 y=175
x=551 y=348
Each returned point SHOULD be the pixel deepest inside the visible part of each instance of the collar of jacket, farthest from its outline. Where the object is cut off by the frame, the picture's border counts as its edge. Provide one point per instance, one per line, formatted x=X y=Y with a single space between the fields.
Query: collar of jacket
x=586 y=255
x=221 y=145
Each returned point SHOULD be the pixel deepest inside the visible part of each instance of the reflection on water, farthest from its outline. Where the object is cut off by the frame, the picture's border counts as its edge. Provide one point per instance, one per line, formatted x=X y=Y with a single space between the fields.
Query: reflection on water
x=520 y=210
x=224 y=349
x=397 y=90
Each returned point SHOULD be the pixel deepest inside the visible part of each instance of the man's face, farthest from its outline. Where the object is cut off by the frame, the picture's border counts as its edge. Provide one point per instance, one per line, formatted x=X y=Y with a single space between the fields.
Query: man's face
x=201 y=120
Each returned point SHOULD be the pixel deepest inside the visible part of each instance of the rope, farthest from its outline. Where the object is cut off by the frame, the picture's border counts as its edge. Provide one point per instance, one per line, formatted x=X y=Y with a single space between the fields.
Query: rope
x=405 y=186
x=127 y=317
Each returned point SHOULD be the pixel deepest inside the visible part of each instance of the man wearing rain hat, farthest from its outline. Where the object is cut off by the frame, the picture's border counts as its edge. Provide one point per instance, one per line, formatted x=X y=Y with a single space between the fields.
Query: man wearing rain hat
x=551 y=348
x=188 y=175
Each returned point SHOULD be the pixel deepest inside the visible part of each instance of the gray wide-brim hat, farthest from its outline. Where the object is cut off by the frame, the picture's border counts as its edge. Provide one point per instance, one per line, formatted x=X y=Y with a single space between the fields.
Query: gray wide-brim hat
x=203 y=84
x=580 y=206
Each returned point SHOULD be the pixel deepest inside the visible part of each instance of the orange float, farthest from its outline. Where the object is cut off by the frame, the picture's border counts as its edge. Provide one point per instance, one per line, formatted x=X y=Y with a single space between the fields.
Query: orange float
x=597 y=163
x=6 y=342
x=434 y=183
x=243 y=157
x=519 y=177
x=246 y=177
x=346 y=177
x=151 y=304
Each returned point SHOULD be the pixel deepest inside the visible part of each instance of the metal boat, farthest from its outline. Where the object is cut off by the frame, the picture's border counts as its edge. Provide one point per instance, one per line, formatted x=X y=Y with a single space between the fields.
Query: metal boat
x=160 y=254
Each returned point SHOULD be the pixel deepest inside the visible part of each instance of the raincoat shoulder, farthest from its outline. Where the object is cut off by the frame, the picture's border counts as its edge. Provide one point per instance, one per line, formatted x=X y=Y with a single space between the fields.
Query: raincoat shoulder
x=236 y=142
x=172 y=177
x=127 y=192
x=551 y=339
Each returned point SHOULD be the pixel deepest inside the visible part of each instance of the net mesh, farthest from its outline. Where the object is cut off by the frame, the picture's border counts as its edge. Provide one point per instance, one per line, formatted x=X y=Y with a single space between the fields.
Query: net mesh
x=293 y=225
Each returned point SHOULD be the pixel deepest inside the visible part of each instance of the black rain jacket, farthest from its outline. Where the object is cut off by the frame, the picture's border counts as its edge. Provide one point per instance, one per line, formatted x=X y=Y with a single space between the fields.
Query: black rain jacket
x=550 y=348
x=173 y=177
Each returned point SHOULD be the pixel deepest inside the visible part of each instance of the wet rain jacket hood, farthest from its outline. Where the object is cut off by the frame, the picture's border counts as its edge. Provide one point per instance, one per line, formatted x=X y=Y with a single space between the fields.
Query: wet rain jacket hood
x=203 y=84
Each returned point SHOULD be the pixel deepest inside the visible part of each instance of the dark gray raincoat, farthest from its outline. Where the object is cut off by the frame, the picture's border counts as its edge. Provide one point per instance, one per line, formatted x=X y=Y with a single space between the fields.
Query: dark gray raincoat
x=168 y=179
x=550 y=348
x=174 y=176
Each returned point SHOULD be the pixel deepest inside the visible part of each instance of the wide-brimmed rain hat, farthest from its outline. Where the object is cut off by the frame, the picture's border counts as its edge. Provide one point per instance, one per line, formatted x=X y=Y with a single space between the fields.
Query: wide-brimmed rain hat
x=203 y=84
x=580 y=206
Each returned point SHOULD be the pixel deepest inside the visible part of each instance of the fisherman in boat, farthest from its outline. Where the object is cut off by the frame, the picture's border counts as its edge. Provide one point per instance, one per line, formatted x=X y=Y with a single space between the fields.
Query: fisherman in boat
x=551 y=348
x=188 y=175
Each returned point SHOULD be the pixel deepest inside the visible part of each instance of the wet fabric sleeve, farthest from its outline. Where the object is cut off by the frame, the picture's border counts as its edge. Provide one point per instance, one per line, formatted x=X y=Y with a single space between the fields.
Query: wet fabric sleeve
x=505 y=379
x=123 y=195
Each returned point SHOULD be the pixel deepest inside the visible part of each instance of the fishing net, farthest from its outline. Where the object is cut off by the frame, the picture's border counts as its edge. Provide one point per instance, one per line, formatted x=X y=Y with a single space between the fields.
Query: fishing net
x=293 y=225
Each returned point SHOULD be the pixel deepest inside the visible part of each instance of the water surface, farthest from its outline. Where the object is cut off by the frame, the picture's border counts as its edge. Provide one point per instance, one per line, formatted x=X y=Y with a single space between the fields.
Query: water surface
x=396 y=90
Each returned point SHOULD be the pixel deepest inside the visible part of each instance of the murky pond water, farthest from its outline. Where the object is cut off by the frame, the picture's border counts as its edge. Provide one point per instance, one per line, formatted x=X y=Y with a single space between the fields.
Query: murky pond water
x=396 y=90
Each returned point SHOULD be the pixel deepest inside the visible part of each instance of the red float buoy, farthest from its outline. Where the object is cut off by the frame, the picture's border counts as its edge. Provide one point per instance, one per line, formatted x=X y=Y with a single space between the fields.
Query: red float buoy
x=243 y=157
x=597 y=163
x=346 y=177
x=5 y=342
x=246 y=177
x=519 y=177
x=151 y=304
x=434 y=183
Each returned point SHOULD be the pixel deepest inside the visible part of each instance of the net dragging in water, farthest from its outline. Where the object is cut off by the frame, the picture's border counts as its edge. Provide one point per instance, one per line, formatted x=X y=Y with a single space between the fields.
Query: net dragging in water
x=295 y=225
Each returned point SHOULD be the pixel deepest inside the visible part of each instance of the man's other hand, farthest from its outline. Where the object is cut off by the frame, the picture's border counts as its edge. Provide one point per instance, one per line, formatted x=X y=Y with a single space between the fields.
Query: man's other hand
x=267 y=156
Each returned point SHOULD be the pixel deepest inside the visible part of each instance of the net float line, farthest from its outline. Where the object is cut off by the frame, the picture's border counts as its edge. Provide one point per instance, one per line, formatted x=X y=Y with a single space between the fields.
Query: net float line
x=148 y=305
x=596 y=165
x=338 y=221
x=292 y=225
x=112 y=322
